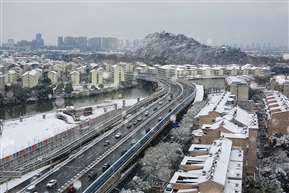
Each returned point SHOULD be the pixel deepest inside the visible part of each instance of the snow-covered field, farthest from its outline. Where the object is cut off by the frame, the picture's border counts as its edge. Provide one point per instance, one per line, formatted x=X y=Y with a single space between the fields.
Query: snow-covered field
x=19 y=135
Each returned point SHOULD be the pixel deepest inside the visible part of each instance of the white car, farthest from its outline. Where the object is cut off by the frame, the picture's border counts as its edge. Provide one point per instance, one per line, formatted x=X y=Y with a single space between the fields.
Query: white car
x=118 y=135
x=139 y=118
x=51 y=184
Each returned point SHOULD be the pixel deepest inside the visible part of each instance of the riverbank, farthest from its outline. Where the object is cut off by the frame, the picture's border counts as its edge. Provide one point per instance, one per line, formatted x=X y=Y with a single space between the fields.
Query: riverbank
x=26 y=109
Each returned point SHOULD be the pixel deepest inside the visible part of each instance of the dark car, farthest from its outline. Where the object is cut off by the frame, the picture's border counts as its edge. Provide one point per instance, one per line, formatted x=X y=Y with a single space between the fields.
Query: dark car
x=129 y=125
x=105 y=167
x=123 y=152
x=92 y=175
x=71 y=189
x=148 y=130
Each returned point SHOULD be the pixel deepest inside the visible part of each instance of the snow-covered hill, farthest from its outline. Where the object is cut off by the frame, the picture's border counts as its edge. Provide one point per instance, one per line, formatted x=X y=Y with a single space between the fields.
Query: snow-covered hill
x=165 y=48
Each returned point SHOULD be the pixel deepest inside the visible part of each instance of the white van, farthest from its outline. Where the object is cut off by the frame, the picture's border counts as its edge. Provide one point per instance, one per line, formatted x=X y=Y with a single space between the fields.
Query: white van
x=31 y=188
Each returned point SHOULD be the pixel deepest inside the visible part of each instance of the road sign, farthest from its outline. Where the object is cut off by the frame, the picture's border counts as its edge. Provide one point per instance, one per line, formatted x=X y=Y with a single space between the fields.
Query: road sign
x=10 y=174
x=175 y=124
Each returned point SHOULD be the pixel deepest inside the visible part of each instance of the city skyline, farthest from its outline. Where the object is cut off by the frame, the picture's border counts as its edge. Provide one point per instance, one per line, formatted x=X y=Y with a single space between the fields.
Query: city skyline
x=210 y=22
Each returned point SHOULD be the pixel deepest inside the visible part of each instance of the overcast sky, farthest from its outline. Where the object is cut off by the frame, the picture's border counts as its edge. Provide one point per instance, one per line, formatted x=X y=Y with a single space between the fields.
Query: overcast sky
x=210 y=22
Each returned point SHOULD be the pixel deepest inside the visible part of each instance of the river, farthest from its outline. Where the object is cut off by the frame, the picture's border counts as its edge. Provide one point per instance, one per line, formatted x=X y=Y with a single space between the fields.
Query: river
x=11 y=112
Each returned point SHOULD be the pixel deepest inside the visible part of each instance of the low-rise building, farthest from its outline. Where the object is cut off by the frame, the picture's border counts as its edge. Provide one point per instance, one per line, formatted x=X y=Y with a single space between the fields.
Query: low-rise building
x=239 y=87
x=277 y=110
x=215 y=168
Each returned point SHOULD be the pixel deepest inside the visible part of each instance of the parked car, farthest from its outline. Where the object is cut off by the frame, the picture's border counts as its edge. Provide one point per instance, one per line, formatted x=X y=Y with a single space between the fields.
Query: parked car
x=105 y=167
x=51 y=183
x=118 y=135
x=106 y=143
x=92 y=175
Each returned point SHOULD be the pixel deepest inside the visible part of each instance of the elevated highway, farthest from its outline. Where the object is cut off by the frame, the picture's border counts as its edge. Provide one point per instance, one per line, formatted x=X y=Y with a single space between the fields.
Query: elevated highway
x=94 y=155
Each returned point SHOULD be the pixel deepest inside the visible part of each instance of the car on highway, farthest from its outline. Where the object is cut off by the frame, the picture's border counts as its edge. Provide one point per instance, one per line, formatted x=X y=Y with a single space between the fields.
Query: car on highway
x=155 y=108
x=139 y=118
x=123 y=152
x=146 y=113
x=134 y=123
x=92 y=175
x=51 y=183
x=160 y=103
x=118 y=135
x=71 y=189
x=159 y=119
x=129 y=125
x=148 y=130
x=31 y=189
x=106 y=143
x=105 y=167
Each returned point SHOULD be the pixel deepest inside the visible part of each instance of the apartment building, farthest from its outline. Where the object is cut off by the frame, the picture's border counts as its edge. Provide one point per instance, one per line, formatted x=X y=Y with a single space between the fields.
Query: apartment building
x=117 y=74
x=239 y=87
x=30 y=78
x=277 y=111
x=75 y=78
x=53 y=76
x=10 y=77
x=96 y=76
x=211 y=168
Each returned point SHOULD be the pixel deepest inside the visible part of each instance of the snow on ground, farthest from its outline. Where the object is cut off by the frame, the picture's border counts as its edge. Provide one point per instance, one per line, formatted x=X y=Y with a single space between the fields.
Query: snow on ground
x=19 y=135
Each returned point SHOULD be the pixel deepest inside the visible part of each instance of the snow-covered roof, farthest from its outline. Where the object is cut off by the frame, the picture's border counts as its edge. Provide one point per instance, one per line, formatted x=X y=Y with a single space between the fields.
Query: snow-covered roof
x=200 y=148
x=75 y=72
x=276 y=101
x=52 y=72
x=225 y=124
x=243 y=117
x=198 y=132
x=217 y=163
x=189 y=178
x=12 y=72
x=217 y=103
x=93 y=65
x=235 y=80
x=193 y=161
x=31 y=73
x=234 y=186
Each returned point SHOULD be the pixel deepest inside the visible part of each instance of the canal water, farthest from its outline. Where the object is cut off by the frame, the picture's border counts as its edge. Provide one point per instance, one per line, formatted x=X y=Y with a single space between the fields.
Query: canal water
x=16 y=111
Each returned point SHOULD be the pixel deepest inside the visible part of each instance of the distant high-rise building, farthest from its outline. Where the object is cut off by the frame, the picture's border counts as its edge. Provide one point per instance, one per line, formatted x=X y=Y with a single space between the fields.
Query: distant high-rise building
x=38 y=37
x=11 y=42
x=60 y=41
x=39 y=41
